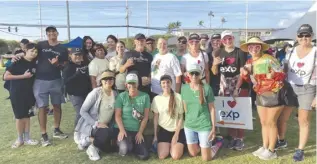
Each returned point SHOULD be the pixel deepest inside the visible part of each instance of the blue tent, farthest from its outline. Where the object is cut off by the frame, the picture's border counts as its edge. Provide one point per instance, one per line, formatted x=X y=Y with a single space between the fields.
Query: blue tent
x=76 y=43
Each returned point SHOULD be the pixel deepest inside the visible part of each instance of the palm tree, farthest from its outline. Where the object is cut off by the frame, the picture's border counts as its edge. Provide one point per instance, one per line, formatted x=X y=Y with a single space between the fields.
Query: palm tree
x=201 y=23
x=173 y=25
x=178 y=24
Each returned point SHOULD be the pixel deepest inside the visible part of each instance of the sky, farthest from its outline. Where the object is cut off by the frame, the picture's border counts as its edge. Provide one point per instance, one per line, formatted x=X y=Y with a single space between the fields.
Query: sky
x=262 y=14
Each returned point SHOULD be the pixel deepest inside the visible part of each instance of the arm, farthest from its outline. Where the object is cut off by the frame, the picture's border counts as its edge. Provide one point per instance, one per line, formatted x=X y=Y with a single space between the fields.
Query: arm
x=178 y=84
x=144 y=121
x=124 y=64
x=118 y=118
x=212 y=115
x=93 y=81
x=207 y=72
x=9 y=76
x=215 y=69
x=87 y=105
x=68 y=75
x=155 y=119
x=93 y=72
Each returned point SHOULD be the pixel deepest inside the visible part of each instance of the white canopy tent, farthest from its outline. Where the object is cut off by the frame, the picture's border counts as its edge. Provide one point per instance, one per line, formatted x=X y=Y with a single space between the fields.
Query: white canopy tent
x=290 y=32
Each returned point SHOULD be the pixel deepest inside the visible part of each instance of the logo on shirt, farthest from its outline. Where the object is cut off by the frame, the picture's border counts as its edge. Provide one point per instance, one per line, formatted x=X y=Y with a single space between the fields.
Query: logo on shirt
x=82 y=70
x=228 y=61
x=33 y=71
x=140 y=59
x=52 y=51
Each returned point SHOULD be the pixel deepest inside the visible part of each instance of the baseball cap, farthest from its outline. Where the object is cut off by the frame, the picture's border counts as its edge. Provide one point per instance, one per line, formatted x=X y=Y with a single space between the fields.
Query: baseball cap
x=194 y=36
x=132 y=78
x=107 y=74
x=193 y=68
x=216 y=36
x=50 y=28
x=182 y=38
x=166 y=77
x=76 y=51
x=226 y=33
x=139 y=36
x=204 y=36
x=305 y=28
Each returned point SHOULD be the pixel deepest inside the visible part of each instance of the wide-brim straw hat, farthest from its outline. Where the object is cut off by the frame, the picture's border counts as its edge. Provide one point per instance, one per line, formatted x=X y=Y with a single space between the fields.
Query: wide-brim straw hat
x=254 y=40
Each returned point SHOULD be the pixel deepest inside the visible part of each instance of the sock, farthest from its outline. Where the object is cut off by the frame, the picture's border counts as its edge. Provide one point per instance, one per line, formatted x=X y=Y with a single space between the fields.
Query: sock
x=272 y=151
x=20 y=138
x=281 y=140
x=44 y=136
x=26 y=136
x=56 y=130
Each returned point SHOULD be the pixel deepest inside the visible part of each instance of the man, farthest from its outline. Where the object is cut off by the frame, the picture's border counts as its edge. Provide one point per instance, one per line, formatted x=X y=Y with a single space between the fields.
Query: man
x=150 y=46
x=52 y=56
x=204 y=42
x=214 y=44
x=22 y=49
x=229 y=62
x=138 y=60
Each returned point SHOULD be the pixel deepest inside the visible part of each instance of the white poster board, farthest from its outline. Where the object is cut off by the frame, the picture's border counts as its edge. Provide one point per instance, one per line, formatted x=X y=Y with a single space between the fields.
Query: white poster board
x=234 y=114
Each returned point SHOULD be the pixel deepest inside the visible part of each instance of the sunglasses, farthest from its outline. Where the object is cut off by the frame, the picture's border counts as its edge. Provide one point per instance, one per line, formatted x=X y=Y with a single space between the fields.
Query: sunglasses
x=149 y=43
x=254 y=46
x=182 y=42
x=194 y=73
x=108 y=78
x=304 y=35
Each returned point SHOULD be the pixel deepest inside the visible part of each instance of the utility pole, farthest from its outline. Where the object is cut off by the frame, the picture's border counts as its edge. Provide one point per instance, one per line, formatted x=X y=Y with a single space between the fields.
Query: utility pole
x=147 y=16
x=223 y=21
x=127 y=21
x=68 y=21
x=246 y=20
x=40 y=19
x=210 y=14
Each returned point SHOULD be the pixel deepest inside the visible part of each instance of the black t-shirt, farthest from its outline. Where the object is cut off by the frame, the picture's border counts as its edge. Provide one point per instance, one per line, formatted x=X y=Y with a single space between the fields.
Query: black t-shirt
x=232 y=62
x=76 y=79
x=19 y=68
x=142 y=66
x=45 y=70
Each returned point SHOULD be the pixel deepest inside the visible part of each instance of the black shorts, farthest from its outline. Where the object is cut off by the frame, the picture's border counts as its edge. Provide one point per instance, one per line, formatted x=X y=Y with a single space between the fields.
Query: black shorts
x=21 y=104
x=167 y=136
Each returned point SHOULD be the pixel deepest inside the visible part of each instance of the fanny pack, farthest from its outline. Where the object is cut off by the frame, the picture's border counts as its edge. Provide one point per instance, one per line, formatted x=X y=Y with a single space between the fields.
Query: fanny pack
x=135 y=113
x=269 y=99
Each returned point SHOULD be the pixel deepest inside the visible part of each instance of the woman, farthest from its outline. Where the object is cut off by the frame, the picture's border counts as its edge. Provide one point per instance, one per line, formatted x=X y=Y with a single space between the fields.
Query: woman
x=200 y=115
x=267 y=77
x=301 y=72
x=95 y=124
x=98 y=65
x=131 y=115
x=114 y=65
x=168 y=115
x=196 y=56
x=22 y=98
x=87 y=49
x=111 y=44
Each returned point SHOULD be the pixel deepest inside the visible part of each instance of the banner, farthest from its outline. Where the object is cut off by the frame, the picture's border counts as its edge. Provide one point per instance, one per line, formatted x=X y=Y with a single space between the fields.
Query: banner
x=234 y=113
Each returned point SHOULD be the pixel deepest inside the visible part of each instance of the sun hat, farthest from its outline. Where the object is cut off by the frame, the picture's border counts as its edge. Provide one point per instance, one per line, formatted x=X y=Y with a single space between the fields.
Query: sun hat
x=107 y=74
x=254 y=40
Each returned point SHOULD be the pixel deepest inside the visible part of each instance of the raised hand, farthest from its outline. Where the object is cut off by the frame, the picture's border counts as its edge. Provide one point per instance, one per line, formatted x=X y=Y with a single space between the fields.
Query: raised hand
x=54 y=61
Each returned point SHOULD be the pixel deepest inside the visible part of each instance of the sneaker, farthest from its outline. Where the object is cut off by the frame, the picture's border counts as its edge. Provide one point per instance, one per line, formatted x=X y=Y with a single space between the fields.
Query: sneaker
x=31 y=142
x=92 y=153
x=239 y=144
x=258 y=152
x=231 y=144
x=77 y=137
x=59 y=134
x=298 y=156
x=45 y=142
x=16 y=144
x=80 y=147
x=267 y=155
x=280 y=145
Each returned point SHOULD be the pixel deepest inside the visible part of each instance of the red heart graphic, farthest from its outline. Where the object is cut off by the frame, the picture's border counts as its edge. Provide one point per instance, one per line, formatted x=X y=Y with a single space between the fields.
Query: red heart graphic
x=232 y=103
x=300 y=65
x=230 y=60
x=198 y=61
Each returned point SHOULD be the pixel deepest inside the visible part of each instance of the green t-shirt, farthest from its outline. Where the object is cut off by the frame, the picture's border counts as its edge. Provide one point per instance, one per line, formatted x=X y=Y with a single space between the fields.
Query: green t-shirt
x=123 y=102
x=154 y=52
x=197 y=117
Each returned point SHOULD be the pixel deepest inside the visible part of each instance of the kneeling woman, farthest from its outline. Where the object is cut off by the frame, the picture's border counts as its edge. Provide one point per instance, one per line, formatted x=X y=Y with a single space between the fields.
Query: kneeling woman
x=200 y=114
x=267 y=76
x=95 y=124
x=168 y=114
x=131 y=115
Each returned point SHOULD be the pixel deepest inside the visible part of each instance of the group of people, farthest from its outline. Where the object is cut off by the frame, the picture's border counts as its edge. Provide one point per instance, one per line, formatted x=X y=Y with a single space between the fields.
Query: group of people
x=149 y=99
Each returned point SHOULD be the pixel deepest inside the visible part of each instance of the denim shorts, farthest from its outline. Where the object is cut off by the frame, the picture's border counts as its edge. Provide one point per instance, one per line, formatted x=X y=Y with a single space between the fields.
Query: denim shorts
x=305 y=95
x=195 y=137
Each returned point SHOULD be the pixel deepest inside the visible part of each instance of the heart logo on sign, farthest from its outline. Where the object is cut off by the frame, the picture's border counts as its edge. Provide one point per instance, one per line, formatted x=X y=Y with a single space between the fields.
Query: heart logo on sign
x=300 y=65
x=230 y=60
x=198 y=61
x=232 y=103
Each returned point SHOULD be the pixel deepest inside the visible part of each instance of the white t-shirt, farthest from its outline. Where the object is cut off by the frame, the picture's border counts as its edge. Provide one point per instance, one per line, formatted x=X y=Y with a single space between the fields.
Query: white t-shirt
x=111 y=54
x=201 y=60
x=300 y=70
x=114 y=65
x=97 y=67
x=169 y=65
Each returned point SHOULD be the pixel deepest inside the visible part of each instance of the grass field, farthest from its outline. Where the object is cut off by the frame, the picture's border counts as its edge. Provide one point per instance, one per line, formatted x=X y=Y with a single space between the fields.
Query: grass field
x=65 y=151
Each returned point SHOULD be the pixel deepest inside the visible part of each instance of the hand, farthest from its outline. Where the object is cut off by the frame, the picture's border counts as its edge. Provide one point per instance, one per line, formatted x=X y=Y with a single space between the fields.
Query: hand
x=212 y=135
x=16 y=58
x=235 y=93
x=217 y=61
x=244 y=71
x=139 y=138
x=101 y=125
x=54 y=61
x=27 y=74
x=157 y=63
x=270 y=75
x=145 y=81
x=174 y=139
x=121 y=135
x=129 y=62
x=154 y=140
x=314 y=103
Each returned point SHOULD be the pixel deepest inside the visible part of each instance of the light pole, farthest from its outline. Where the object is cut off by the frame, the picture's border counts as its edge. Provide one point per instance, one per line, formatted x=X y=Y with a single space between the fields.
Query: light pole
x=210 y=14
x=127 y=21
x=40 y=19
x=147 y=16
x=68 y=21
x=246 y=20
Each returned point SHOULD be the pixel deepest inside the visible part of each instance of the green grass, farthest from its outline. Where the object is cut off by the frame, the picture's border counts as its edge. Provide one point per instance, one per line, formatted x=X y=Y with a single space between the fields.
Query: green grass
x=65 y=151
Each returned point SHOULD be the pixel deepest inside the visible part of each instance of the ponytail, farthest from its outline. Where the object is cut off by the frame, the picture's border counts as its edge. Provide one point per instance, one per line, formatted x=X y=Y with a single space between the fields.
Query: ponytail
x=201 y=93
x=172 y=104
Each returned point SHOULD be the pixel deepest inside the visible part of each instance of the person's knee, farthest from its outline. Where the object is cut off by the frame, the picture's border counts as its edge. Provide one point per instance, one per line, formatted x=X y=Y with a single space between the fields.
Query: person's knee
x=206 y=157
x=193 y=153
x=162 y=155
x=176 y=155
x=144 y=156
x=56 y=108
x=123 y=147
x=303 y=122
x=271 y=124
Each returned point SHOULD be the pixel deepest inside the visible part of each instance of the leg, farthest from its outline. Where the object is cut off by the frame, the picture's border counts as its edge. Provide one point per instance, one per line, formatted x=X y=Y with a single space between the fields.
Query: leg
x=140 y=150
x=125 y=145
x=42 y=116
x=102 y=139
x=192 y=142
x=272 y=116
x=20 y=128
x=177 y=151
x=57 y=98
x=26 y=129
x=204 y=145
x=262 y=111
x=163 y=149
x=77 y=102
x=57 y=115
x=282 y=122
x=304 y=124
